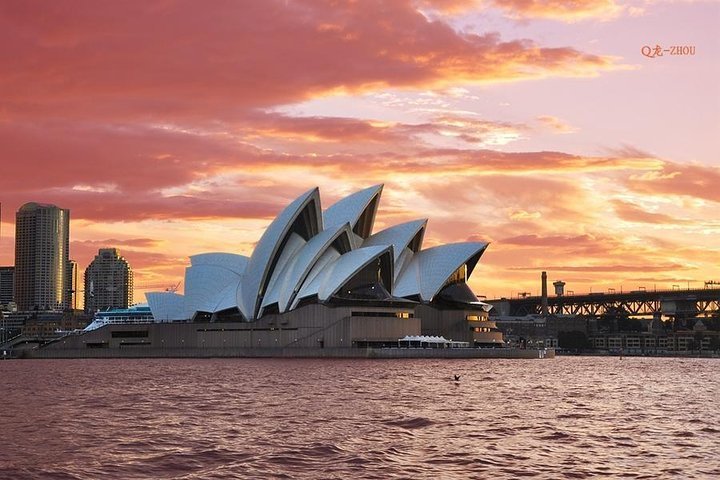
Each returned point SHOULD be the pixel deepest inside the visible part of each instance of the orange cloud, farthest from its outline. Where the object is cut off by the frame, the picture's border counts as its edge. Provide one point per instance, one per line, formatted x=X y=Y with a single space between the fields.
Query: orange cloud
x=699 y=181
x=611 y=268
x=129 y=242
x=632 y=213
x=159 y=172
x=560 y=9
x=555 y=124
x=552 y=9
x=449 y=6
x=148 y=265
x=549 y=241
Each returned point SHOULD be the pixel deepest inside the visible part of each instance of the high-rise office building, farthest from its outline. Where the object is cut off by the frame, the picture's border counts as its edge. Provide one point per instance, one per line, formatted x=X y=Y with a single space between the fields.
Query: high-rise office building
x=108 y=281
x=7 y=275
x=72 y=284
x=42 y=243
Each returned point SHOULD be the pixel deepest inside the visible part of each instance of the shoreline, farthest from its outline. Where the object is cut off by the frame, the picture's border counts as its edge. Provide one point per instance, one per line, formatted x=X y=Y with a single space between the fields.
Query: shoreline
x=639 y=354
x=291 y=352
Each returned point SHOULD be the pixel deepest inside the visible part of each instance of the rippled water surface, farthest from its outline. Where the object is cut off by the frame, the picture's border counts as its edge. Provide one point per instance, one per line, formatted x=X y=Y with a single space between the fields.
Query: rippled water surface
x=569 y=417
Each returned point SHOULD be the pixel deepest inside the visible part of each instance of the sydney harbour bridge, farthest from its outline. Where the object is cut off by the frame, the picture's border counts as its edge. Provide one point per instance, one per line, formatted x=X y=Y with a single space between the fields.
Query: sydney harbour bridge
x=676 y=303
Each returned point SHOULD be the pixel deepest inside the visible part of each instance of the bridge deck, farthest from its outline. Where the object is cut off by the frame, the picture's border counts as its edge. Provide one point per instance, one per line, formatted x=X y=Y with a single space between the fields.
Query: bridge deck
x=689 y=302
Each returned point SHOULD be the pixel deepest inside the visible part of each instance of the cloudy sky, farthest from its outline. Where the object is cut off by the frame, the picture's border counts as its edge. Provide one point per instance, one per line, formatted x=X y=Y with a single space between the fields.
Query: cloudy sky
x=171 y=128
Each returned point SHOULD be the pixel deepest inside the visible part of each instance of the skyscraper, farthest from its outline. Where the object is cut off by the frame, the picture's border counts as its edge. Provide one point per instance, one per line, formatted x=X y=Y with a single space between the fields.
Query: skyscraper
x=108 y=281
x=72 y=284
x=42 y=242
x=7 y=275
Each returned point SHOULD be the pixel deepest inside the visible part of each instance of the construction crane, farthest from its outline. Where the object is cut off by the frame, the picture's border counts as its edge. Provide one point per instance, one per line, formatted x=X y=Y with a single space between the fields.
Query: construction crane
x=164 y=286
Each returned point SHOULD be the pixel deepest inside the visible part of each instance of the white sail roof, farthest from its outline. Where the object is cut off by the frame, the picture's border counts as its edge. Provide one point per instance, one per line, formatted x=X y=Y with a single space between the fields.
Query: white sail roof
x=166 y=306
x=231 y=261
x=288 y=258
x=402 y=261
x=297 y=270
x=338 y=272
x=203 y=283
x=328 y=256
x=399 y=236
x=303 y=213
x=225 y=299
x=429 y=269
x=406 y=239
x=357 y=209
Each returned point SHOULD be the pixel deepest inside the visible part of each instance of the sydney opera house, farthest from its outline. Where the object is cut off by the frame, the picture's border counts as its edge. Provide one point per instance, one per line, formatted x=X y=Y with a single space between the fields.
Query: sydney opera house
x=328 y=268
x=321 y=279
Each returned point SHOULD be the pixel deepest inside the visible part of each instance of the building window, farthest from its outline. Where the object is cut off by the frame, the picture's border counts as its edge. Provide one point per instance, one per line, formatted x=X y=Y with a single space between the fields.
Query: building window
x=129 y=334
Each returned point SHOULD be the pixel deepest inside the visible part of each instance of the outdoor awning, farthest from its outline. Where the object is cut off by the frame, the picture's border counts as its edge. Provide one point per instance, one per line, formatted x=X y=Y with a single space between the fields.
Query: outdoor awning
x=425 y=339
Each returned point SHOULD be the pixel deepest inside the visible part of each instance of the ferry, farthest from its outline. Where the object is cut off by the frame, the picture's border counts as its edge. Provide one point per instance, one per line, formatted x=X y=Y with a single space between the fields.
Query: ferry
x=136 y=314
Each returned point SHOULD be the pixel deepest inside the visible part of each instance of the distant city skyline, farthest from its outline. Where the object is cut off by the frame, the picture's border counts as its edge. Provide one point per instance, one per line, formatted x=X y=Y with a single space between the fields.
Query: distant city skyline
x=176 y=129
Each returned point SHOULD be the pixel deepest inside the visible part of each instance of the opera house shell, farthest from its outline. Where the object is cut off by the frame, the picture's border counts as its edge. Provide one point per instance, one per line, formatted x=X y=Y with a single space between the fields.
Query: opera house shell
x=327 y=278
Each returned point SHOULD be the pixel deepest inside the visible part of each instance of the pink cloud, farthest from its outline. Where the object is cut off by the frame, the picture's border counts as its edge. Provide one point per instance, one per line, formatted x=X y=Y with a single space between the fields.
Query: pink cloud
x=123 y=208
x=341 y=130
x=132 y=157
x=180 y=59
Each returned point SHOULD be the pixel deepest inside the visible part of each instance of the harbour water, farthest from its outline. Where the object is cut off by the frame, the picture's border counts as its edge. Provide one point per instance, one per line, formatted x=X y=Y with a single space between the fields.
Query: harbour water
x=568 y=417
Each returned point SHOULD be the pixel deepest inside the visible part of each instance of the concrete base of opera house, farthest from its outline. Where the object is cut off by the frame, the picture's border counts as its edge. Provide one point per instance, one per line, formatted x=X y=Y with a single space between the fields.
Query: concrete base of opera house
x=292 y=352
x=314 y=330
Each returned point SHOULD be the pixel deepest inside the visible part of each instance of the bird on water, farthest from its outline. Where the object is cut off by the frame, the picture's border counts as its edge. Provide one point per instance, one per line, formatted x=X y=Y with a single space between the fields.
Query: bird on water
x=457 y=378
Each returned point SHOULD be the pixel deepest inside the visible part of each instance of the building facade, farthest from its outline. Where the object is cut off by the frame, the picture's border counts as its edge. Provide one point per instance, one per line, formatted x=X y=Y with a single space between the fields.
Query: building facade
x=7 y=275
x=42 y=243
x=72 y=283
x=108 y=281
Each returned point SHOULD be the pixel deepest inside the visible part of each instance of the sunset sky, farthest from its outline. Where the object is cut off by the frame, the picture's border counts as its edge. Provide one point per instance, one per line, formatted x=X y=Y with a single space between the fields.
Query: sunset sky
x=171 y=128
